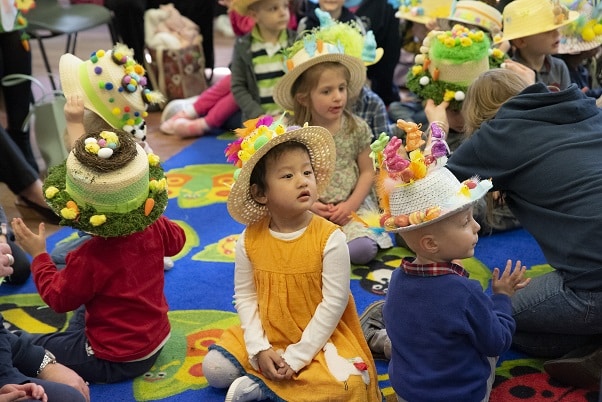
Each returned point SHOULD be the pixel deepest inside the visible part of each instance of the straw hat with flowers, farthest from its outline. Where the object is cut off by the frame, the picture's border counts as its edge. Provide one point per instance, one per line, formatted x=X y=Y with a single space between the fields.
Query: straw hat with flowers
x=423 y=11
x=585 y=33
x=255 y=140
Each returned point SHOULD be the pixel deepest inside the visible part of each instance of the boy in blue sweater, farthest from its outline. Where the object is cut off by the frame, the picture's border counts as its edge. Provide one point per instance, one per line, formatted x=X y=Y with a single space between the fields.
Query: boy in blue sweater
x=445 y=333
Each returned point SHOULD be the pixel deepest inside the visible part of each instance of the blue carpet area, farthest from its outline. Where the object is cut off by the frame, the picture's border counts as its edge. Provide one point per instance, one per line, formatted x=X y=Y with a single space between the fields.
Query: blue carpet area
x=199 y=290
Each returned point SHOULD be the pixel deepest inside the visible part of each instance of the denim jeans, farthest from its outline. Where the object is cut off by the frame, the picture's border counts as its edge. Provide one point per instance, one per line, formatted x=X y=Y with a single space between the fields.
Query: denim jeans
x=552 y=319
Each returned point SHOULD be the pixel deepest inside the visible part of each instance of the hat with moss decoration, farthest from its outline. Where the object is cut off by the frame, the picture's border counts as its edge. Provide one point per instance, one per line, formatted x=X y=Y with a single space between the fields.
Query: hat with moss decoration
x=449 y=61
x=108 y=186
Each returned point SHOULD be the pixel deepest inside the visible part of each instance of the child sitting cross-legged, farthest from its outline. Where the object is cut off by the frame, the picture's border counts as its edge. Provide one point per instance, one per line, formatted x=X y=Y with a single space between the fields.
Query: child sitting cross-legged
x=299 y=337
x=445 y=332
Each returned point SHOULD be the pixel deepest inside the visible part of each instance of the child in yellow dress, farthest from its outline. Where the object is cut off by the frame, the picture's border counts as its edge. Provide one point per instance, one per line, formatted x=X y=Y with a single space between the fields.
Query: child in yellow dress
x=300 y=338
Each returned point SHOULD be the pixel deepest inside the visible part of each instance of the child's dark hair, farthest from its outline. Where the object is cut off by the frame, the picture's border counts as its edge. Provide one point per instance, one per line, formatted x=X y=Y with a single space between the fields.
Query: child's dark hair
x=259 y=171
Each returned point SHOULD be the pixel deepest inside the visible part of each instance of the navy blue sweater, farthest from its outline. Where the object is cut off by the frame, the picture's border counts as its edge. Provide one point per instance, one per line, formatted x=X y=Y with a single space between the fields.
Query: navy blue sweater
x=544 y=150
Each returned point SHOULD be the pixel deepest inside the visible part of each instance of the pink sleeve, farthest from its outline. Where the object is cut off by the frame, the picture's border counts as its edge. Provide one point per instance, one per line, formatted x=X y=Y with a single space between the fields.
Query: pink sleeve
x=241 y=24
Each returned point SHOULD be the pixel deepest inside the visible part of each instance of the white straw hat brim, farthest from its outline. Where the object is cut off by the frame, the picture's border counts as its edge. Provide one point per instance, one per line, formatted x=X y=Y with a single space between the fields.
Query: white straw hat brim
x=322 y=152
x=357 y=70
x=438 y=189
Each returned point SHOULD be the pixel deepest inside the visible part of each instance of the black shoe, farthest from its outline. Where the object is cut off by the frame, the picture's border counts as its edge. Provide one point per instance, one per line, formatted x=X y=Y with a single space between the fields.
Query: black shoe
x=580 y=368
x=46 y=213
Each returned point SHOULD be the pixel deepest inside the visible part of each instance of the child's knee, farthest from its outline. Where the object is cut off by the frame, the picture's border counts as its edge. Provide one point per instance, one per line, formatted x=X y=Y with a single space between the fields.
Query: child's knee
x=362 y=250
x=218 y=370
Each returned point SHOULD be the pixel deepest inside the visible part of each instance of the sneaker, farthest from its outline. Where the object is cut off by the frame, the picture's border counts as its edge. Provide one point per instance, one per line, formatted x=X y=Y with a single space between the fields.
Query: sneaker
x=579 y=368
x=177 y=105
x=373 y=325
x=244 y=389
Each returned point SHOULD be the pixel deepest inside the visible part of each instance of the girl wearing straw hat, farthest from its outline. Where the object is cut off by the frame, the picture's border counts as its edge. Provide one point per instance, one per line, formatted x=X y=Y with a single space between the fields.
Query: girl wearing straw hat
x=325 y=69
x=299 y=337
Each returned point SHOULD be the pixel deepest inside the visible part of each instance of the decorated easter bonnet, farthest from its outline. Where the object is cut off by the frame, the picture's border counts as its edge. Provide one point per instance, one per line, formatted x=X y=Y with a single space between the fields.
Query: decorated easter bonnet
x=449 y=61
x=108 y=186
x=335 y=42
x=583 y=34
x=523 y=18
x=242 y=6
x=475 y=13
x=255 y=140
x=423 y=11
x=112 y=85
x=420 y=191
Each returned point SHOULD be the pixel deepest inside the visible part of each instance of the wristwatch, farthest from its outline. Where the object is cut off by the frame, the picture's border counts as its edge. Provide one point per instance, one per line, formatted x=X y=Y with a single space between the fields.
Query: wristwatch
x=48 y=359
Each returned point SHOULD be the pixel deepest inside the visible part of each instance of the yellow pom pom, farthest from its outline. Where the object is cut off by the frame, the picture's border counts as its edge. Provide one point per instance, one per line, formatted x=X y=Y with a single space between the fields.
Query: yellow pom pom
x=588 y=34
x=416 y=70
x=51 y=192
x=68 y=213
x=598 y=29
x=116 y=111
x=100 y=53
x=92 y=148
x=97 y=220
x=153 y=160
x=466 y=42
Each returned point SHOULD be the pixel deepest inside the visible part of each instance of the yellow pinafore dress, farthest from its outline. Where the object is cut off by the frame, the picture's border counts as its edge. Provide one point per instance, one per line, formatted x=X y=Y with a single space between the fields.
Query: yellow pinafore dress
x=288 y=279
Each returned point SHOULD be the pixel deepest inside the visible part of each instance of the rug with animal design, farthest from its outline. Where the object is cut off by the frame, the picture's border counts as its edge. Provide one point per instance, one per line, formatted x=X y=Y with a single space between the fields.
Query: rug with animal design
x=199 y=290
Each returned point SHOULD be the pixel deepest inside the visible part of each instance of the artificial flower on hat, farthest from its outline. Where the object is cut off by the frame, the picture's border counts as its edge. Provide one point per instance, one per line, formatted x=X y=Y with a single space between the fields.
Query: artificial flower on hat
x=417 y=190
x=341 y=42
x=254 y=141
x=585 y=33
x=473 y=13
x=449 y=61
x=108 y=186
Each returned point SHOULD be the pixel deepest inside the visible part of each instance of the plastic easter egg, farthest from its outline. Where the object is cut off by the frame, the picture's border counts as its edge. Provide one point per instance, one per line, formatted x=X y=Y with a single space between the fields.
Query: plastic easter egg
x=90 y=140
x=105 y=153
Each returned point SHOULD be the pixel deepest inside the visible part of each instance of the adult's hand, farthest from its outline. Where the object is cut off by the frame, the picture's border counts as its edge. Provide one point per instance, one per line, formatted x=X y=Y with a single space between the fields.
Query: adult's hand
x=6 y=260
x=58 y=373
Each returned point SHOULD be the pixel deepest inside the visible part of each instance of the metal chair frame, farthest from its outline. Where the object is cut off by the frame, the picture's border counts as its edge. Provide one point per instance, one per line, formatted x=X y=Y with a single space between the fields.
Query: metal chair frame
x=50 y=19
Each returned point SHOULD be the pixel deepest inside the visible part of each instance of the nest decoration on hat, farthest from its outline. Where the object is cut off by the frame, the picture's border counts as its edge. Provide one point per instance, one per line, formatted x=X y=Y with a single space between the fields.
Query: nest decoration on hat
x=523 y=18
x=473 y=13
x=417 y=191
x=449 y=61
x=111 y=84
x=255 y=140
x=108 y=186
x=333 y=41
x=585 y=33
x=423 y=11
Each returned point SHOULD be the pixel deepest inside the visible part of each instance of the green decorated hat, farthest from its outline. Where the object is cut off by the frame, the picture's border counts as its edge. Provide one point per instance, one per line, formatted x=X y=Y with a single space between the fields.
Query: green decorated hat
x=108 y=186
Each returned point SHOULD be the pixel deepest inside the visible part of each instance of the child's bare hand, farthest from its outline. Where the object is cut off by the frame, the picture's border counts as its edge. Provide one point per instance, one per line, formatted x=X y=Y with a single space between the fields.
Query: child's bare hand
x=74 y=109
x=33 y=244
x=270 y=364
x=511 y=280
x=321 y=209
x=436 y=112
